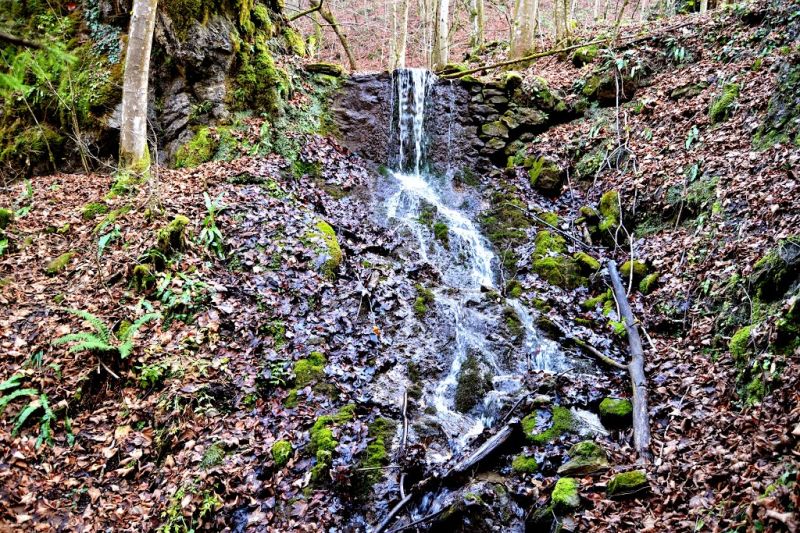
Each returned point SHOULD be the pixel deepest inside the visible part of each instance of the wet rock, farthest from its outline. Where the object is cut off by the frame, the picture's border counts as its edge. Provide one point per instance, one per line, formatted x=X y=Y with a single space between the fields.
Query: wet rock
x=495 y=129
x=544 y=426
x=778 y=271
x=585 y=457
x=481 y=507
x=472 y=384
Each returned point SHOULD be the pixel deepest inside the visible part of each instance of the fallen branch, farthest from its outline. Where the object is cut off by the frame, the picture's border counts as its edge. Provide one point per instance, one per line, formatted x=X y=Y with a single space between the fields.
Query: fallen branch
x=641 y=421
x=389 y=517
x=18 y=41
x=597 y=353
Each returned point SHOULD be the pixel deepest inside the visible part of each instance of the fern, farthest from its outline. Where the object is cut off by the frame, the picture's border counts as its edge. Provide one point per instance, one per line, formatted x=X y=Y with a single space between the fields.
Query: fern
x=39 y=402
x=5 y=400
x=103 y=340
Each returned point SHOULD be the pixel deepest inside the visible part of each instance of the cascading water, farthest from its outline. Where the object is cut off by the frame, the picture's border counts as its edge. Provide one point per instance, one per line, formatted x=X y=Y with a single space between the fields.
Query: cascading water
x=467 y=265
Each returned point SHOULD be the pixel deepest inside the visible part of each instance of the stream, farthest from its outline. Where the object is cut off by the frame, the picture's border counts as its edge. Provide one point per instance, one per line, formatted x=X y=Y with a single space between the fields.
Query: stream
x=416 y=202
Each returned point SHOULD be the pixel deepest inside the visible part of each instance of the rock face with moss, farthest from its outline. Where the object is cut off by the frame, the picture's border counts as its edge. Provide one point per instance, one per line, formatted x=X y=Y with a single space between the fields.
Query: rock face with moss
x=172 y=237
x=322 y=238
x=551 y=262
x=775 y=273
x=472 y=384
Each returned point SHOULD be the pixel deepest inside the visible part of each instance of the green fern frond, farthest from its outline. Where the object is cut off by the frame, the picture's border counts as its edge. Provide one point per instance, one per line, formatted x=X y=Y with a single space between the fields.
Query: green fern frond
x=103 y=331
x=125 y=349
x=24 y=415
x=76 y=337
x=11 y=383
x=93 y=345
x=131 y=331
x=7 y=399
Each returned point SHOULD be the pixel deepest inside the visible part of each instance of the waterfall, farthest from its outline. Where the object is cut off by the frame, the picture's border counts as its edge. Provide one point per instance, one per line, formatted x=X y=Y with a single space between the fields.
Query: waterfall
x=468 y=265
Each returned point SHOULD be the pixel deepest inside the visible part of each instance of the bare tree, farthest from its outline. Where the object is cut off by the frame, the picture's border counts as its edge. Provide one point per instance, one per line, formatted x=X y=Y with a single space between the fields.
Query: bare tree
x=440 y=53
x=399 y=41
x=133 y=152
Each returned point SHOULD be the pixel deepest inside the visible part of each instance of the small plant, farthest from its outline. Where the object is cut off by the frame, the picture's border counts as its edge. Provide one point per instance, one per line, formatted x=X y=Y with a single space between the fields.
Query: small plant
x=676 y=53
x=103 y=341
x=694 y=136
x=210 y=236
x=12 y=389
x=181 y=295
x=151 y=376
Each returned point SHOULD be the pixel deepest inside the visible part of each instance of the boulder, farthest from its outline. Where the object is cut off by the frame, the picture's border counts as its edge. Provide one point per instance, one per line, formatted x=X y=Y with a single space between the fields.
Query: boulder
x=585 y=457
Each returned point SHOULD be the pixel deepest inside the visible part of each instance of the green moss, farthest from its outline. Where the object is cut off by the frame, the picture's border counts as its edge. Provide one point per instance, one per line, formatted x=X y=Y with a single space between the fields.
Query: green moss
x=294 y=41
x=721 y=107
x=585 y=457
x=524 y=464
x=281 y=452
x=589 y=263
x=514 y=289
x=260 y=84
x=560 y=423
x=548 y=243
x=292 y=399
x=262 y=19
x=425 y=298
x=565 y=494
x=615 y=411
x=197 y=151
x=513 y=322
x=627 y=483
x=739 y=345
x=377 y=453
x=610 y=215
x=549 y=217
x=142 y=278
x=550 y=263
x=584 y=55
x=59 y=264
x=755 y=390
x=6 y=217
x=323 y=443
x=506 y=223
x=442 y=233
x=775 y=273
x=23 y=146
x=93 y=209
x=544 y=175
x=649 y=283
x=172 y=237
x=310 y=369
x=590 y=163
x=639 y=270
x=600 y=299
x=471 y=385
x=332 y=248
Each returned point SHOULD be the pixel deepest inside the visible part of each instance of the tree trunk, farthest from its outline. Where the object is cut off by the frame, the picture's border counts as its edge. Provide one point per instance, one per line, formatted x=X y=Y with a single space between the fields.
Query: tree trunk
x=328 y=17
x=133 y=153
x=399 y=34
x=441 y=36
x=703 y=6
x=477 y=21
x=641 y=420
x=524 y=25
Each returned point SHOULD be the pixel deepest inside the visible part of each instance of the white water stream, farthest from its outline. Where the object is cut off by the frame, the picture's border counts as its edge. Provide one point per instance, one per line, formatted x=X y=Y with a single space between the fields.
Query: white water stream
x=468 y=267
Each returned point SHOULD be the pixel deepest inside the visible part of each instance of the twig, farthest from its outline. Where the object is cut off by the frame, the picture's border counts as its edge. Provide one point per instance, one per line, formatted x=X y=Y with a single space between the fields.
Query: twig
x=422 y=520
x=312 y=9
x=18 y=41
x=389 y=517
x=597 y=353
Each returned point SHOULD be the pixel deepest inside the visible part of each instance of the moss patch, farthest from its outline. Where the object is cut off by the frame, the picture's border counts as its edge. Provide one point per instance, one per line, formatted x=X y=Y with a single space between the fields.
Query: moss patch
x=739 y=345
x=587 y=262
x=309 y=369
x=585 y=457
x=638 y=267
x=472 y=385
x=565 y=494
x=561 y=422
x=377 y=453
x=93 y=209
x=627 y=483
x=424 y=299
x=649 y=283
x=198 y=150
x=172 y=237
x=281 y=452
x=6 y=217
x=610 y=215
x=723 y=104
x=59 y=264
x=323 y=443
x=524 y=464
x=615 y=412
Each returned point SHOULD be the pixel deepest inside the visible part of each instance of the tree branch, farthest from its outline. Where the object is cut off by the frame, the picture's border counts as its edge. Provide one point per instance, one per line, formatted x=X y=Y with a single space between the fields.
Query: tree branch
x=314 y=8
x=17 y=41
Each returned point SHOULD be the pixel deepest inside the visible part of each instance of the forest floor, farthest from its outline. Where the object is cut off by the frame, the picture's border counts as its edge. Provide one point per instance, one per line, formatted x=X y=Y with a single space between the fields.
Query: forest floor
x=182 y=432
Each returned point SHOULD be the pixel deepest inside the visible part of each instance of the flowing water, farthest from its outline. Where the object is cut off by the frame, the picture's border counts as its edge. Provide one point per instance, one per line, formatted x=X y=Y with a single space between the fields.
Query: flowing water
x=468 y=266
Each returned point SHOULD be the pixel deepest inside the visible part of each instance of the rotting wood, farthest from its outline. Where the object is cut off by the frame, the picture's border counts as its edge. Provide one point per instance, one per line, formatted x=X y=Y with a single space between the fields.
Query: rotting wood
x=641 y=421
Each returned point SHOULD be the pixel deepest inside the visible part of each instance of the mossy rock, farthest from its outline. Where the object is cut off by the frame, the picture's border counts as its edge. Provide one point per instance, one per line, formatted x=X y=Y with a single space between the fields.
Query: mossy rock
x=332 y=255
x=740 y=344
x=524 y=464
x=511 y=80
x=471 y=384
x=425 y=298
x=539 y=430
x=496 y=129
x=638 y=267
x=588 y=264
x=775 y=273
x=565 y=495
x=628 y=483
x=294 y=41
x=690 y=90
x=546 y=176
x=551 y=263
x=260 y=83
x=513 y=322
x=545 y=98
x=310 y=369
x=585 y=55
x=610 y=213
x=616 y=412
x=93 y=209
x=172 y=237
x=328 y=69
x=722 y=105
x=281 y=452
x=590 y=163
x=514 y=289
x=585 y=457
x=142 y=278
x=59 y=264
x=200 y=149
x=649 y=283
x=6 y=217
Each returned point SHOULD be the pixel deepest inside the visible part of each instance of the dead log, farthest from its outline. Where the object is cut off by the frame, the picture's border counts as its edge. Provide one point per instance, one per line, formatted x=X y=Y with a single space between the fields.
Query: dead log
x=641 y=421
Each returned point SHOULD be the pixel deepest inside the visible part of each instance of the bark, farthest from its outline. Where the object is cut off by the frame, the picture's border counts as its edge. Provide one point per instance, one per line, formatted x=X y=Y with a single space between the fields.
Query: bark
x=523 y=30
x=641 y=421
x=440 y=54
x=477 y=21
x=133 y=153
x=703 y=6
x=400 y=34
